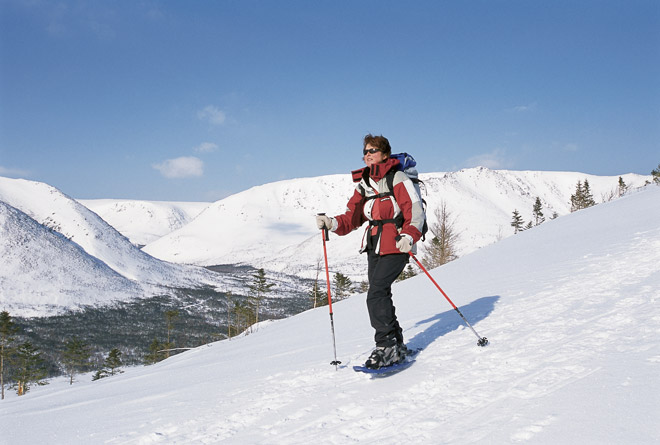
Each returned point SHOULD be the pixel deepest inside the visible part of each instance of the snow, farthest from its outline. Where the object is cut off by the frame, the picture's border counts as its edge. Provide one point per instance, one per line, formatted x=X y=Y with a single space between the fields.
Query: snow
x=42 y=273
x=269 y=226
x=144 y=221
x=274 y=223
x=571 y=309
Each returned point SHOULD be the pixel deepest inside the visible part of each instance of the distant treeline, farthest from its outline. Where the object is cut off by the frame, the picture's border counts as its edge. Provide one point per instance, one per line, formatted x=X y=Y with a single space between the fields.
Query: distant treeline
x=136 y=332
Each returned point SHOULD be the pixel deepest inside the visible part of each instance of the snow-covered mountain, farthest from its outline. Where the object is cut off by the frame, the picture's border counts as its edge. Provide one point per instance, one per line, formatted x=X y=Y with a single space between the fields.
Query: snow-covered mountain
x=272 y=225
x=51 y=209
x=253 y=224
x=144 y=221
x=571 y=309
x=42 y=271
x=269 y=226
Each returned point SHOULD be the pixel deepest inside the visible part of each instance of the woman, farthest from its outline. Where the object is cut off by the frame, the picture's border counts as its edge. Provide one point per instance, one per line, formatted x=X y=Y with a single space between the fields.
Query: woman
x=396 y=218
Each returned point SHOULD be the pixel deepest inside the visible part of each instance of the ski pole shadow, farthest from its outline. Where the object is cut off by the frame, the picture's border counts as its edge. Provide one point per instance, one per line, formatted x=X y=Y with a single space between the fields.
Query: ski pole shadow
x=448 y=321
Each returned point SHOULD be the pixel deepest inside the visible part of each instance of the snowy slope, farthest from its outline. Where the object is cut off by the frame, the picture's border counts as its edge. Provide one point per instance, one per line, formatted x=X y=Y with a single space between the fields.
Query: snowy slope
x=90 y=264
x=55 y=210
x=144 y=221
x=248 y=225
x=272 y=225
x=51 y=270
x=571 y=308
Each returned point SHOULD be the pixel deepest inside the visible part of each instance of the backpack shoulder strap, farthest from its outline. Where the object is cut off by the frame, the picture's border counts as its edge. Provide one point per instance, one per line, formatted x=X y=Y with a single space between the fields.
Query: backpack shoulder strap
x=389 y=179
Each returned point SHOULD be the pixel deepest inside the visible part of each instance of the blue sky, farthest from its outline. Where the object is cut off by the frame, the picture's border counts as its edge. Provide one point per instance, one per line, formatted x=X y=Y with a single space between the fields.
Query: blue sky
x=196 y=100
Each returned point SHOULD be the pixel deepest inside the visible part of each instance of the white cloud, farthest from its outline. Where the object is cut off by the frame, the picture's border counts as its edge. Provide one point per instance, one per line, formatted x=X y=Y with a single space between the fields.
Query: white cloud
x=183 y=167
x=571 y=147
x=206 y=147
x=524 y=108
x=212 y=115
x=102 y=30
x=494 y=160
x=155 y=13
x=13 y=172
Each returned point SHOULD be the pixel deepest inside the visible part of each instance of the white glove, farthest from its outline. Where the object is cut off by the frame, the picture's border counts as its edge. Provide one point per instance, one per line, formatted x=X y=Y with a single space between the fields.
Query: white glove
x=405 y=243
x=325 y=222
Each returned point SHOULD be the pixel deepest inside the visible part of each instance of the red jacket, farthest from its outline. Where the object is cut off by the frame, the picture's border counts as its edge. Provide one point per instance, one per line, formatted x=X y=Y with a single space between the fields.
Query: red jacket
x=406 y=203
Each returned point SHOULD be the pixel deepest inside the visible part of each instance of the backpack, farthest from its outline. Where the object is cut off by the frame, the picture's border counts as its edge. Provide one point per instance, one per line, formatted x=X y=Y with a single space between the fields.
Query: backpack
x=407 y=165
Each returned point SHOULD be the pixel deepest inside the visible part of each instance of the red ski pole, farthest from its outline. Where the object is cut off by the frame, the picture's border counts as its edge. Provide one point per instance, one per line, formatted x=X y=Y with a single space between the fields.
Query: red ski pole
x=483 y=341
x=325 y=236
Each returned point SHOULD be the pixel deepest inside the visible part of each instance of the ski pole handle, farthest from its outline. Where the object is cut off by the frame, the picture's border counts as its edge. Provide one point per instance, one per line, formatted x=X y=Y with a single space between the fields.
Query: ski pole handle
x=326 y=234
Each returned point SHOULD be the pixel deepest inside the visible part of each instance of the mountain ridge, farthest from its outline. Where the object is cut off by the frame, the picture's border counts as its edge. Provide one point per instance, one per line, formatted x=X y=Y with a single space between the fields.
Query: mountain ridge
x=144 y=221
x=70 y=270
x=45 y=208
x=271 y=226
x=482 y=201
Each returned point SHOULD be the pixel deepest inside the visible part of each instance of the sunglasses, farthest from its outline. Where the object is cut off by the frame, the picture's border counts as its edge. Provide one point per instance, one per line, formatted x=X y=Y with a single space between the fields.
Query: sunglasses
x=370 y=150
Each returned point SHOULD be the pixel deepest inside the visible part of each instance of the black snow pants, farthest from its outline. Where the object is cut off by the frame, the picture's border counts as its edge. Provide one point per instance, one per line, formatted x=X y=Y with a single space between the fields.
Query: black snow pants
x=383 y=270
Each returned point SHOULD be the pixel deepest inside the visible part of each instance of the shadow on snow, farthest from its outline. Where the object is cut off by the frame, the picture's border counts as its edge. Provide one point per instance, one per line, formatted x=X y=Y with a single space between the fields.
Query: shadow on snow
x=448 y=321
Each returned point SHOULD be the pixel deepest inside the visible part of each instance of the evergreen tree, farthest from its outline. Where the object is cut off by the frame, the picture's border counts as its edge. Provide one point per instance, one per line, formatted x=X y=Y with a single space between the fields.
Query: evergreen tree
x=8 y=330
x=75 y=357
x=342 y=286
x=28 y=368
x=588 y=197
x=622 y=188
x=517 y=222
x=170 y=316
x=113 y=362
x=155 y=352
x=406 y=273
x=582 y=198
x=442 y=248
x=656 y=175
x=537 y=212
x=111 y=365
x=258 y=289
x=577 y=198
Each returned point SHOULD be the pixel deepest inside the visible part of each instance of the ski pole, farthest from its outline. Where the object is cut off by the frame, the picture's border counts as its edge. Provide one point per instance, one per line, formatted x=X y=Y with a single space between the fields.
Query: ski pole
x=483 y=341
x=326 y=236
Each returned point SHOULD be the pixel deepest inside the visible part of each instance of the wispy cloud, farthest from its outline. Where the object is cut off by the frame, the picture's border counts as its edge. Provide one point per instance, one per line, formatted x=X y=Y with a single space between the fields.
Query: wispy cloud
x=571 y=147
x=206 y=147
x=155 y=12
x=183 y=167
x=523 y=108
x=103 y=31
x=212 y=114
x=495 y=159
x=13 y=172
x=63 y=19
